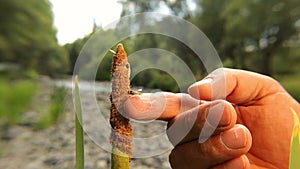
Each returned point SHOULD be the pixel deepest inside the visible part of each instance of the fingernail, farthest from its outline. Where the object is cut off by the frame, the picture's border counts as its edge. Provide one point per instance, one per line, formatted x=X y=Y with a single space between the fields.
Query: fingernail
x=201 y=82
x=234 y=138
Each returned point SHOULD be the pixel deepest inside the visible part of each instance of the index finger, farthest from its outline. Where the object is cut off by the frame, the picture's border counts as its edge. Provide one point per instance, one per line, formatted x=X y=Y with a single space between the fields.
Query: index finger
x=236 y=86
x=160 y=105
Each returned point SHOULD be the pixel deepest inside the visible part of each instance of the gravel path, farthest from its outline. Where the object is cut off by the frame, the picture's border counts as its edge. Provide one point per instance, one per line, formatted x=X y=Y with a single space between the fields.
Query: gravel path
x=53 y=148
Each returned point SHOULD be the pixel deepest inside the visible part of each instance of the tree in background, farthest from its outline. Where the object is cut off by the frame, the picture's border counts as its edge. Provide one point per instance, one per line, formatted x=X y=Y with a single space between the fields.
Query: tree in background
x=250 y=33
x=258 y=35
x=175 y=7
x=73 y=50
x=27 y=37
x=154 y=78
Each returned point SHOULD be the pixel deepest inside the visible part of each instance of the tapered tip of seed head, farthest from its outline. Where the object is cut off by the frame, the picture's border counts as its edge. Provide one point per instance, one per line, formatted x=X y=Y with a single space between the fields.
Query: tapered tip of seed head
x=120 y=46
x=120 y=53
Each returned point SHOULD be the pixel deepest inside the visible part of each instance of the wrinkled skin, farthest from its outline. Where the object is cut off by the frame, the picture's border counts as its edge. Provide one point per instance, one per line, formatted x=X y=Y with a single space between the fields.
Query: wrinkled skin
x=252 y=126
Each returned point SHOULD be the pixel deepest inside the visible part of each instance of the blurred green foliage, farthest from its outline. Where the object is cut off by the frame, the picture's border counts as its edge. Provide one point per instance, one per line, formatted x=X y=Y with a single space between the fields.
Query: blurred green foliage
x=159 y=80
x=261 y=36
x=28 y=38
x=28 y=48
x=15 y=98
x=56 y=108
x=252 y=34
x=291 y=83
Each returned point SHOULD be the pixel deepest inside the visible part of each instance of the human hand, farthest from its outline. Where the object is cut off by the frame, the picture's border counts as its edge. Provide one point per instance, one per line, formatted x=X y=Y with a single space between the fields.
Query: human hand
x=252 y=129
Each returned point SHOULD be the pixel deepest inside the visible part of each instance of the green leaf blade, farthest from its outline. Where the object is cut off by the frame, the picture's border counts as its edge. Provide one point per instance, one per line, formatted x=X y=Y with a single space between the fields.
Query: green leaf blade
x=78 y=129
x=295 y=144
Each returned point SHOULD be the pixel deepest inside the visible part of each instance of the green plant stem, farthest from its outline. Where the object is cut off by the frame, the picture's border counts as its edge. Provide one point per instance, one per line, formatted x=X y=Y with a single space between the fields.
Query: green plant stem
x=78 y=129
x=119 y=160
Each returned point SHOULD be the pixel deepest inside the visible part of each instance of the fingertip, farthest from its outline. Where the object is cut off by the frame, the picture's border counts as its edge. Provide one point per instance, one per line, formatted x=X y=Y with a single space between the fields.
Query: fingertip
x=202 y=88
x=237 y=138
x=136 y=107
x=155 y=106
x=223 y=115
x=241 y=162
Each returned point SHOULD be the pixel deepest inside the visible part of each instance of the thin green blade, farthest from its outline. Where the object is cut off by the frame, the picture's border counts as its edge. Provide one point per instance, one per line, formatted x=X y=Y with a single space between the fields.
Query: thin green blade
x=295 y=144
x=78 y=129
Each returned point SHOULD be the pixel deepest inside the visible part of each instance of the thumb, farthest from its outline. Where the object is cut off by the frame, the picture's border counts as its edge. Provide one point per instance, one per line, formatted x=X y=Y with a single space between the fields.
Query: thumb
x=236 y=86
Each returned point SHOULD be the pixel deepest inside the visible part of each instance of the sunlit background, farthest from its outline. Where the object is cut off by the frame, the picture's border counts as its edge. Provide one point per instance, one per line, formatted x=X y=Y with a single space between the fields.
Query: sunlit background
x=75 y=19
x=40 y=41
